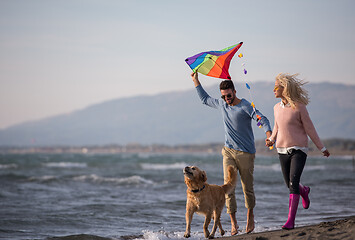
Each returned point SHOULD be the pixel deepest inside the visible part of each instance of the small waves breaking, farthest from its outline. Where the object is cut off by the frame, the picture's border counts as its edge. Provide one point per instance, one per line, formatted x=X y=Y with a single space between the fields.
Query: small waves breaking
x=132 y=180
x=195 y=235
x=273 y=167
x=7 y=166
x=65 y=165
x=277 y=168
x=163 y=235
x=163 y=166
x=43 y=178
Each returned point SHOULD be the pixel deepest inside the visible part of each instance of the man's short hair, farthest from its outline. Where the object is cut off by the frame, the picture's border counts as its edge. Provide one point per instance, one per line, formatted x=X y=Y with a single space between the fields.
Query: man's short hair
x=226 y=84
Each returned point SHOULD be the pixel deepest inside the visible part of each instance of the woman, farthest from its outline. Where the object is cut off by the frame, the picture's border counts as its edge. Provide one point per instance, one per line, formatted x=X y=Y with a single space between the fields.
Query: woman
x=291 y=130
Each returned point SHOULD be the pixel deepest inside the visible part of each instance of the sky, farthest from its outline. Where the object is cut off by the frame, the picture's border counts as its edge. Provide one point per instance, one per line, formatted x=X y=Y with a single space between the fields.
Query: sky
x=59 y=56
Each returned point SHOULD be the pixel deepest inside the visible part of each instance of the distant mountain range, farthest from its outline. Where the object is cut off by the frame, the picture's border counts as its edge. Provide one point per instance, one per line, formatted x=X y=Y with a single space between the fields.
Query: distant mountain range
x=178 y=118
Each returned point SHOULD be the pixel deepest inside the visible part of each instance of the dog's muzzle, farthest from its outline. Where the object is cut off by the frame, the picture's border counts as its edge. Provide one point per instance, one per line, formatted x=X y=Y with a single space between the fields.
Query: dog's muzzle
x=187 y=171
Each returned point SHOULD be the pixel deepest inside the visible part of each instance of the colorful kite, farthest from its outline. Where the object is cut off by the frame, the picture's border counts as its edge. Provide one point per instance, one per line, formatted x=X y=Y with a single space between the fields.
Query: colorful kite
x=213 y=63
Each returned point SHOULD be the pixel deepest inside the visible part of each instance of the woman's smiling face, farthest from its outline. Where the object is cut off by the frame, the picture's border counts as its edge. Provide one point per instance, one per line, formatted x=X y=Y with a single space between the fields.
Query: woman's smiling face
x=278 y=89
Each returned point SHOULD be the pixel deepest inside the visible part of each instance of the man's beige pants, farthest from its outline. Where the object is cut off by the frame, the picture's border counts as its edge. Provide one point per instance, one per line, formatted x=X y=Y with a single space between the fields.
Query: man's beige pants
x=244 y=163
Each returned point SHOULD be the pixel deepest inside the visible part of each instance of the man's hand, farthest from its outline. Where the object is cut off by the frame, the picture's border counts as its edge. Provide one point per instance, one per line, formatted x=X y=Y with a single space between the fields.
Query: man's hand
x=194 y=76
x=326 y=153
x=268 y=143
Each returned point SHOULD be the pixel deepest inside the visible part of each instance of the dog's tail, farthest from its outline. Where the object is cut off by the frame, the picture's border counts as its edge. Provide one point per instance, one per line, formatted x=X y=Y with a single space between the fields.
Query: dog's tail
x=232 y=179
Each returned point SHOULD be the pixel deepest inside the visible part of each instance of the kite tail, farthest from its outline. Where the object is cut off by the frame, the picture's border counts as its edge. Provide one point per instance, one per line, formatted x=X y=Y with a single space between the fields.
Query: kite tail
x=258 y=118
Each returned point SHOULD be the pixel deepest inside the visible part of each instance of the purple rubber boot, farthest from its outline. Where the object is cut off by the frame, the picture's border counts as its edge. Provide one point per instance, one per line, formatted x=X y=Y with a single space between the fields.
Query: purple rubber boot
x=293 y=205
x=304 y=191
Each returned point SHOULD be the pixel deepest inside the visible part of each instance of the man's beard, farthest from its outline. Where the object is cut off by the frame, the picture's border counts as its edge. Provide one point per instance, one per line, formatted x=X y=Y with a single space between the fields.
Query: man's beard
x=230 y=100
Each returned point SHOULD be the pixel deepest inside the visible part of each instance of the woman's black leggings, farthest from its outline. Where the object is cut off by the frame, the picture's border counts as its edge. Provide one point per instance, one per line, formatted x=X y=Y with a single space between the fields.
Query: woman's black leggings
x=292 y=165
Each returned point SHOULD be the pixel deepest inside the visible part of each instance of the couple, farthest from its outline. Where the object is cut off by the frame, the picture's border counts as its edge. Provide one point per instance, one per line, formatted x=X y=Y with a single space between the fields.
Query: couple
x=291 y=130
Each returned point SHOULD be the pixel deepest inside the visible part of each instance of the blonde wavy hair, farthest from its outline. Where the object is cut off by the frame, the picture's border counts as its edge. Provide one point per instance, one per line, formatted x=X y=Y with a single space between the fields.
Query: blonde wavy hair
x=292 y=89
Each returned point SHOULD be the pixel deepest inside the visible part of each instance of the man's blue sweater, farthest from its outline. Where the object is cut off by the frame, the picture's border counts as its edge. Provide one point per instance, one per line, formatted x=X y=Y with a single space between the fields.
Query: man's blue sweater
x=237 y=121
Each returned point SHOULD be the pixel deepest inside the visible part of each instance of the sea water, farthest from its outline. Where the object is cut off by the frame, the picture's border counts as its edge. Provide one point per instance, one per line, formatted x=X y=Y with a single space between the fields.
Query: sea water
x=143 y=196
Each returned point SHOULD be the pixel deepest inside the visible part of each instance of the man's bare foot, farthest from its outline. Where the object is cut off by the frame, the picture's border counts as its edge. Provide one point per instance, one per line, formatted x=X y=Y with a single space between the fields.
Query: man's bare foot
x=234 y=224
x=234 y=230
x=250 y=221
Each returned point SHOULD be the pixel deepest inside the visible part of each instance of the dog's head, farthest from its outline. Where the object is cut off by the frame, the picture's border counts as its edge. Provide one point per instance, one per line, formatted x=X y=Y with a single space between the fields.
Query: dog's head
x=194 y=176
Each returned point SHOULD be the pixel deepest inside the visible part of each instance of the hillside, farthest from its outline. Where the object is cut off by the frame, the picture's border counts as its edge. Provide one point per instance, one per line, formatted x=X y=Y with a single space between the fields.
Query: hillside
x=177 y=118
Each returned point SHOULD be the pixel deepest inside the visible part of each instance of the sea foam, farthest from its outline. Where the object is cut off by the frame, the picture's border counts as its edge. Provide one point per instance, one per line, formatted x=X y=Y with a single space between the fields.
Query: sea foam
x=163 y=166
x=7 y=166
x=132 y=180
x=65 y=165
x=163 y=235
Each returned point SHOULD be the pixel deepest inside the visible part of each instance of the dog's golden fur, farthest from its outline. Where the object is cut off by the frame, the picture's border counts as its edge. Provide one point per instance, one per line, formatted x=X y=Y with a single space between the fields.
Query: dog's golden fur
x=206 y=199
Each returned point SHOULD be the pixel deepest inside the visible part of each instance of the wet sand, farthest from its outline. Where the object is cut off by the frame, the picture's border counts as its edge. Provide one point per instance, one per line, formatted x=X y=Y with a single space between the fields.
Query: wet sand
x=337 y=230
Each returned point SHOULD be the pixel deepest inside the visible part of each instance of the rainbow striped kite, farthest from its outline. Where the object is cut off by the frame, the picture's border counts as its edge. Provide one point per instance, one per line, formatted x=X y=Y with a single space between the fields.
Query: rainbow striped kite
x=213 y=63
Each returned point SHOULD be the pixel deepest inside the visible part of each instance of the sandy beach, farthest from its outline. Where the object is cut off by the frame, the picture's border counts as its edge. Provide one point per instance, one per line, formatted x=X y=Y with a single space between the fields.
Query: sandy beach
x=343 y=229
x=340 y=229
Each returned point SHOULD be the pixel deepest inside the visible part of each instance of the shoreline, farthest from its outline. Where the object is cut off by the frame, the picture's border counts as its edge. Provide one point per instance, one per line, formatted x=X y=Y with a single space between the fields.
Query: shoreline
x=342 y=229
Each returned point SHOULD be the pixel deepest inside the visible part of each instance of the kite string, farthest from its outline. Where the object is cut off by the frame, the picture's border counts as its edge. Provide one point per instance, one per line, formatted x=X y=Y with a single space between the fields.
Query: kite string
x=247 y=85
x=258 y=118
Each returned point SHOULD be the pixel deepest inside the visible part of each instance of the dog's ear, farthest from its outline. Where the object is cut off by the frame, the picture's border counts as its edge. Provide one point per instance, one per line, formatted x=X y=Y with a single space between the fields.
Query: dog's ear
x=203 y=176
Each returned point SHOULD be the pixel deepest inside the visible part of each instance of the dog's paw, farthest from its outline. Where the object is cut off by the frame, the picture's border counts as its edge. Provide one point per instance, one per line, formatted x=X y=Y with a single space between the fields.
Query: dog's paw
x=187 y=235
x=211 y=237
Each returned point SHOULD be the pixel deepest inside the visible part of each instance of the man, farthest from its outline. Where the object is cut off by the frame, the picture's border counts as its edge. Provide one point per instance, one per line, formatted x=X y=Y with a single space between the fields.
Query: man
x=239 y=149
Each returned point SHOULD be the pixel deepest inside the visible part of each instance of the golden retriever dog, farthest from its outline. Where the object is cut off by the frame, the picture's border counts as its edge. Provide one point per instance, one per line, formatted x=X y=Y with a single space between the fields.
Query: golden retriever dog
x=206 y=199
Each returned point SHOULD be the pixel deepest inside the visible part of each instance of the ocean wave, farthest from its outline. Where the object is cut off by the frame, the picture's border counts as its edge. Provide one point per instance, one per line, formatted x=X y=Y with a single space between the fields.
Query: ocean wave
x=80 y=237
x=7 y=166
x=314 y=167
x=195 y=235
x=132 y=180
x=43 y=178
x=277 y=167
x=163 y=166
x=65 y=165
x=272 y=167
x=163 y=235
x=344 y=157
